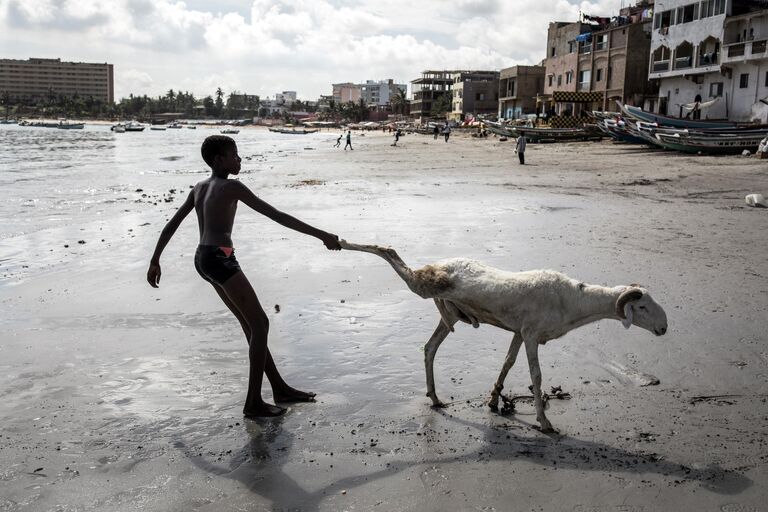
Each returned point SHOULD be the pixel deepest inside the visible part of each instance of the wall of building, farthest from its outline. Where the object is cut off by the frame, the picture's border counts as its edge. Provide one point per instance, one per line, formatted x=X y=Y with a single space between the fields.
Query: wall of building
x=35 y=79
x=518 y=88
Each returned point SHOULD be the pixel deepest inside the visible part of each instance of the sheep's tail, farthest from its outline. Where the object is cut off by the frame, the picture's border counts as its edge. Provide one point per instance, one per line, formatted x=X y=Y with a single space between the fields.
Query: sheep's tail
x=425 y=282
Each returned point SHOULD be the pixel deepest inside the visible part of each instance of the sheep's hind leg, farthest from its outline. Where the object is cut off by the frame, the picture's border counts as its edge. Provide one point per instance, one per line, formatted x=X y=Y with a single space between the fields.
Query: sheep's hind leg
x=430 y=349
x=532 y=351
x=509 y=362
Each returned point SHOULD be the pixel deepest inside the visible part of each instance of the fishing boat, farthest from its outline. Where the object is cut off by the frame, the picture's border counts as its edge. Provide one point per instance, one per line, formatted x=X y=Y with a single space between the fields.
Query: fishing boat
x=119 y=128
x=558 y=134
x=175 y=126
x=500 y=129
x=291 y=131
x=70 y=126
x=191 y=127
x=233 y=131
x=723 y=143
x=157 y=128
x=650 y=117
x=131 y=126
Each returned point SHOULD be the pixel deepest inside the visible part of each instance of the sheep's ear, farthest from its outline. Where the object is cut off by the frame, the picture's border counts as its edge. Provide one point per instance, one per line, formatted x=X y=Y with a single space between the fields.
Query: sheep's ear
x=627 y=320
x=626 y=297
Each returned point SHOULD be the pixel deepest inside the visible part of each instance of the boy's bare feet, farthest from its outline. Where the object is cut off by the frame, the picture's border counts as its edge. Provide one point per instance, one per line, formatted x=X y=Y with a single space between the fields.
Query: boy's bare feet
x=289 y=394
x=264 y=410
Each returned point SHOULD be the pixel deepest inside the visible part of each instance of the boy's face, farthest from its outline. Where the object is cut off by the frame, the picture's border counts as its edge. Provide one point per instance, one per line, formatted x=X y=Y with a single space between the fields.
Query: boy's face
x=229 y=160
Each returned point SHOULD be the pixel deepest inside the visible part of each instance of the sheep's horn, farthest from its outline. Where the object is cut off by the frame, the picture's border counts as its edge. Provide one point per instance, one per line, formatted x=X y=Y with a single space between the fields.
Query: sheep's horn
x=626 y=296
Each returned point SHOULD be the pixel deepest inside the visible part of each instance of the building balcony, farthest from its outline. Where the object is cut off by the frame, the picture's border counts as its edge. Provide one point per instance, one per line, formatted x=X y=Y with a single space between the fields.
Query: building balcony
x=740 y=52
x=684 y=62
x=587 y=48
x=583 y=86
x=660 y=65
x=603 y=45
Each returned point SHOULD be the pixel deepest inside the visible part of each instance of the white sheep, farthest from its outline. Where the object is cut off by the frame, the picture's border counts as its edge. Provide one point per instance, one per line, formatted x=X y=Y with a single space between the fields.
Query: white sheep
x=538 y=306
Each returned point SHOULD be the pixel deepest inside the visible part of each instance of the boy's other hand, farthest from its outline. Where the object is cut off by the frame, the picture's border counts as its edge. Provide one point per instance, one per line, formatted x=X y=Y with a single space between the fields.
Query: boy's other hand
x=331 y=241
x=153 y=275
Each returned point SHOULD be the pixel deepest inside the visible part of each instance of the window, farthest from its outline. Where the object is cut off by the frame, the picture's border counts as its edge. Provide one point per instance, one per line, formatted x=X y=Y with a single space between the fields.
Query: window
x=688 y=13
x=585 y=76
x=598 y=74
x=657 y=21
x=480 y=96
x=706 y=8
x=568 y=77
x=719 y=7
x=571 y=46
x=743 y=80
x=559 y=80
x=552 y=52
x=716 y=88
x=678 y=17
x=766 y=78
x=551 y=79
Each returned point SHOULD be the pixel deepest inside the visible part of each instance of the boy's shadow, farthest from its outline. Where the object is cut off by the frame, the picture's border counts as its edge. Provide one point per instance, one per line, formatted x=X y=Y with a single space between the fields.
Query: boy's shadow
x=269 y=442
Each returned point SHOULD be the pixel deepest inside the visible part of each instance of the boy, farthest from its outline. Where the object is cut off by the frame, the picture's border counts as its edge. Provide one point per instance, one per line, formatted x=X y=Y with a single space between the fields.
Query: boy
x=215 y=202
x=520 y=148
x=349 y=141
x=338 y=141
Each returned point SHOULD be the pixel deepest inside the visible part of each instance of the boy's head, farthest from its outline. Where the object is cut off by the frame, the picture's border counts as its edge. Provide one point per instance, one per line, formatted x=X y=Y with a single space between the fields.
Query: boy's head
x=220 y=153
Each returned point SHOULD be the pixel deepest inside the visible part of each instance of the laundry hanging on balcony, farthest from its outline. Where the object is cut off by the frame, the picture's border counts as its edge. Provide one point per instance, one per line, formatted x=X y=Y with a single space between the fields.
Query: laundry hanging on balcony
x=587 y=36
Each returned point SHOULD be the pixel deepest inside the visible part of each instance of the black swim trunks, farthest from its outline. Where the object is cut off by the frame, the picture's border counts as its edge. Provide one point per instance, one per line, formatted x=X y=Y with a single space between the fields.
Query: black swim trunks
x=216 y=264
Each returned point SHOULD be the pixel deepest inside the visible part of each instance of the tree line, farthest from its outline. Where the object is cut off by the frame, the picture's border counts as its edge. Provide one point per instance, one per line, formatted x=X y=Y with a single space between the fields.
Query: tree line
x=218 y=105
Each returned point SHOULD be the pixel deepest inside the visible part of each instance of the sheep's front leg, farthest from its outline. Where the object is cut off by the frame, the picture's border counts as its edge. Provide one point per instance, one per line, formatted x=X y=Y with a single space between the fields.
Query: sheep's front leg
x=430 y=349
x=532 y=351
x=509 y=362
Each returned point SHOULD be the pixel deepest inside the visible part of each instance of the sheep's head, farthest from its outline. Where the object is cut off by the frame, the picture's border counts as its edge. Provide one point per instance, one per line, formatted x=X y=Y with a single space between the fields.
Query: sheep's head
x=635 y=306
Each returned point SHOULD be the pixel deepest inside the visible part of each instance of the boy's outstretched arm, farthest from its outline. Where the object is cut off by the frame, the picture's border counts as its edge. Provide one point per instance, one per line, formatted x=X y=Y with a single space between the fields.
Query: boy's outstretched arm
x=153 y=274
x=244 y=194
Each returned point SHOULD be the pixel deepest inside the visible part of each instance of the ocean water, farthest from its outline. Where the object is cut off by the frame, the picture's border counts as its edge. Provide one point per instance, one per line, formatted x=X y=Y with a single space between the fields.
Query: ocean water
x=56 y=184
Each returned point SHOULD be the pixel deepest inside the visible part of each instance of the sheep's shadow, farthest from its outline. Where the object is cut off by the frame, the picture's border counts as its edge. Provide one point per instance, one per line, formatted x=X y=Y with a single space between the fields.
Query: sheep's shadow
x=257 y=465
x=564 y=452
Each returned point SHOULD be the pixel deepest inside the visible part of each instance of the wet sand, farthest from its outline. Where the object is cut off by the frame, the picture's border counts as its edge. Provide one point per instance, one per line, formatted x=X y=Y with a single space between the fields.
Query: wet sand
x=116 y=396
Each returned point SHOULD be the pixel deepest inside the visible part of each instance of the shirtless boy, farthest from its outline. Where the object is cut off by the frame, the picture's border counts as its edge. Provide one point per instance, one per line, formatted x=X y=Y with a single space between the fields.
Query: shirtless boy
x=215 y=202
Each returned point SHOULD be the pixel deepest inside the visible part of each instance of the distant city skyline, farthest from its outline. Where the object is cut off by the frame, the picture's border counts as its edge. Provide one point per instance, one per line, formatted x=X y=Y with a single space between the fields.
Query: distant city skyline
x=267 y=46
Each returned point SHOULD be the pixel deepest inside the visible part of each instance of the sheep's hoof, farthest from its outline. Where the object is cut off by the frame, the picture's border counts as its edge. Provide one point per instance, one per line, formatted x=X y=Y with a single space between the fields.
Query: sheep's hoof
x=546 y=427
x=439 y=405
x=494 y=406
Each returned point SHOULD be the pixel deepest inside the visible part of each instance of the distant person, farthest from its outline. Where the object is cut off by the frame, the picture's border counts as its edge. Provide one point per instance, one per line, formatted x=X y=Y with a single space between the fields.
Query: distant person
x=397 y=136
x=520 y=148
x=215 y=201
x=349 y=141
x=436 y=131
x=338 y=141
x=446 y=131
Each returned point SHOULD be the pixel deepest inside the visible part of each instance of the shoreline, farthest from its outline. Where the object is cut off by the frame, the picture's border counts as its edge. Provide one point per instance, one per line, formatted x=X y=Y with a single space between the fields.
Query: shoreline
x=121 y=394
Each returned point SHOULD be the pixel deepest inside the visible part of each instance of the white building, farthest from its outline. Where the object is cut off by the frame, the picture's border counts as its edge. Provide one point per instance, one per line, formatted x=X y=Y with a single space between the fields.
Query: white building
x=380 y=93
x=711 y=50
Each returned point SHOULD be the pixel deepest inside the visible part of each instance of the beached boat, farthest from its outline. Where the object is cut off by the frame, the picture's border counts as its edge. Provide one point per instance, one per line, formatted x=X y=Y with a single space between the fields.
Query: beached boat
x=70 y=126
x=291 y=131
x=724 y=143
x=175 y=126
x=157 y=128
x=131 y=126
x=500 y=129
x=192 y=127
x=650 y=117
x=119 y=128
x=233 y=131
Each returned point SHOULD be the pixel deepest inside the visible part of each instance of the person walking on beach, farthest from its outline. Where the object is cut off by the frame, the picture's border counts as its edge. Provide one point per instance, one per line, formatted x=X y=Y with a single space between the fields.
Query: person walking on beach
x=446 y=131
x=215 y=201
x=338 y=141
x=349 y=141
x=520 y=148
x=435 y=131
x=397 y=136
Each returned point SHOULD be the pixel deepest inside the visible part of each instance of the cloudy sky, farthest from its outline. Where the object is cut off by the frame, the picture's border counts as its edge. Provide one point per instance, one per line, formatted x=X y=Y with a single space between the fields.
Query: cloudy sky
x=267 y=46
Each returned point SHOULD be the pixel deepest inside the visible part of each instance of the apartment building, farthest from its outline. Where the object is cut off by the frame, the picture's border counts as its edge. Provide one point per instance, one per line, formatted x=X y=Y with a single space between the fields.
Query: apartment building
x=474 y=93
x=431 y=87
x=713 y=52
x=35 y=80
x=378 y=94
x=593 y=64
x=518 y=88
x=346 y=92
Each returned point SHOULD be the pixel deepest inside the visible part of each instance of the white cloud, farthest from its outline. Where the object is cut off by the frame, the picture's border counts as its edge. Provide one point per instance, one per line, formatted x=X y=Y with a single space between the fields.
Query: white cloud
x=302 y=45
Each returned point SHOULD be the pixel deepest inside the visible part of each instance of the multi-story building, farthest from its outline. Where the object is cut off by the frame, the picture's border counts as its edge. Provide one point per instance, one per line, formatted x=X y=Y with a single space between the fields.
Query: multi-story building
x=590 y=65
x=34 y=80
x=378 y=94
x=346 y=92
x=686 y=55
x=713 y=52
x=519 y=87
x=433 y=86
x=286 y=98
x=474 y=93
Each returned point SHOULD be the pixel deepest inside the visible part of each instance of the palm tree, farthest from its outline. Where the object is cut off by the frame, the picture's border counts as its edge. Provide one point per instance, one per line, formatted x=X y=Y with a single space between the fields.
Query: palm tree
x=399 y=101
x=171 y=96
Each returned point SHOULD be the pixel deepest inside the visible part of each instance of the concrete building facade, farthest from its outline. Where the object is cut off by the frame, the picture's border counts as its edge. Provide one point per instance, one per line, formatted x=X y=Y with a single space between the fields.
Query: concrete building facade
x=431 y=87
x=34 y=80
x=518 y=88
x=346 y=92
x=474 y=93
x=379 y=93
